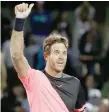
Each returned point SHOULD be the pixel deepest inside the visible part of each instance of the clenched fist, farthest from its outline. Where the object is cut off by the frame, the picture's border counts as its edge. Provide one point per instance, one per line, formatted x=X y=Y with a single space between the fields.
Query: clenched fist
x=23 y=10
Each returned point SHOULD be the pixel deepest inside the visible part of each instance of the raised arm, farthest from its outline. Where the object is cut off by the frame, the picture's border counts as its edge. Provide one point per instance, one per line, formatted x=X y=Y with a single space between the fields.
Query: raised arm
x=17 y=41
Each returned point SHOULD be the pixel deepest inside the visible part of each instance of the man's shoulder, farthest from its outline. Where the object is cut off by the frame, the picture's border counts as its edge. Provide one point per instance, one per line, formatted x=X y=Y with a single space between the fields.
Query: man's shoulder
x=71 y=77
x=33 y=72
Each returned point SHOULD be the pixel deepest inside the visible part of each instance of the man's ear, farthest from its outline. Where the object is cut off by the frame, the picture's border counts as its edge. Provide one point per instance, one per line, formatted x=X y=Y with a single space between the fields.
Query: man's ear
x=45 y=55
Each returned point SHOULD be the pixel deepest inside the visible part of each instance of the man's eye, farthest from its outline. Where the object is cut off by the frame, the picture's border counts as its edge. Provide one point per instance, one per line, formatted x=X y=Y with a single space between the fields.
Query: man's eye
x=56 y=52
x=65 y=53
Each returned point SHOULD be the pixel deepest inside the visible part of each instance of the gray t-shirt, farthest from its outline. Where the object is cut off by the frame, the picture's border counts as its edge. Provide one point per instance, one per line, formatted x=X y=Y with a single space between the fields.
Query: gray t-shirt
x=70 y=90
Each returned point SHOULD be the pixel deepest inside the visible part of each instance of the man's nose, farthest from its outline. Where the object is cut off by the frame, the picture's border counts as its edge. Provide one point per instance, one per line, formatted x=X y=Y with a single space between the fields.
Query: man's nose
x=61 y=56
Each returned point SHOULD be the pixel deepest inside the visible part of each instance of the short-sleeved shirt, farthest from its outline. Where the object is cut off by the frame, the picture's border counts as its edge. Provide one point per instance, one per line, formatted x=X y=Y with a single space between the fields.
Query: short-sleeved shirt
x=48 y=94
x=70 y=90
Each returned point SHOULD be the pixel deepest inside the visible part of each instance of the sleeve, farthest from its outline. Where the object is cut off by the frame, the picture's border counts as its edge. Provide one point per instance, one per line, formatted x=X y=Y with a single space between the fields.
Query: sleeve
x=31 y=85
x=30 y=81
x=80 y=104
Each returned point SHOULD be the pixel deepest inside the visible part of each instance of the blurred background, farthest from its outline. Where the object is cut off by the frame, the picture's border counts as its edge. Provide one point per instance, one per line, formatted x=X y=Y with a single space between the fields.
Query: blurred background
x=85 y=24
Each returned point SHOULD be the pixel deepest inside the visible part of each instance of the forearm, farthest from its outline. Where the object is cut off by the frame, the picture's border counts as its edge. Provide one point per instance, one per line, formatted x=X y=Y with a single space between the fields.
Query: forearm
x=17 y=44
x=17 y=40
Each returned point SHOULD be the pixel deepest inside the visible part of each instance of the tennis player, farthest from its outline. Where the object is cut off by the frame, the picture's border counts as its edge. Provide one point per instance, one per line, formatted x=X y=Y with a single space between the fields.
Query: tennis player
x=49 y=90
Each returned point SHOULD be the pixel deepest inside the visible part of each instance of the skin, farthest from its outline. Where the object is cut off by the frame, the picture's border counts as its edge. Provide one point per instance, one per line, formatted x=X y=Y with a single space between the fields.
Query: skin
x=56 y=60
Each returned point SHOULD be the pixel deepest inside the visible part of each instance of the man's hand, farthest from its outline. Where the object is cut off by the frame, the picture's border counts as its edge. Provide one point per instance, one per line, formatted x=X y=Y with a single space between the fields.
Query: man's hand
x=23 y=10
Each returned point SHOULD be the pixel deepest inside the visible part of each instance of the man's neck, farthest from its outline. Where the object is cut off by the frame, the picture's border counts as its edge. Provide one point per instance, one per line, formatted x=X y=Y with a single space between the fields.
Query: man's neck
x=53 y=73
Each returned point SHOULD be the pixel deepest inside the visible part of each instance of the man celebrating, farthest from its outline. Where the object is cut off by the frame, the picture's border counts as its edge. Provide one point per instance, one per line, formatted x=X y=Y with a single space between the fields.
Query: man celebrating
x=49 y=90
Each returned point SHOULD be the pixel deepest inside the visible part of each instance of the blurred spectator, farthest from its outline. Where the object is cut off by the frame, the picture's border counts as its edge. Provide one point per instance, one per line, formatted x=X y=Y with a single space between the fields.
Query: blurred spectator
x=61 y=25
x=16 y=102
x=11 y=73
x=12 y=78
x=105 y=66
x=39 y=59
x=20 y=94
x=40 y=21
x=105 y=89
x=91 y=108
x=71 y=65
x=6 y=51
x=5 y=29
x=3 y=75
x=90 y=47
x=94 y=94
x=83 y=14
x=25 y=105
x=104 y=105
x=84 y=5
x=31 y=49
